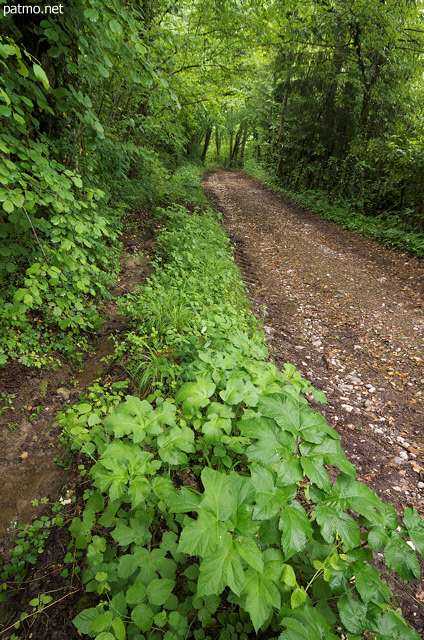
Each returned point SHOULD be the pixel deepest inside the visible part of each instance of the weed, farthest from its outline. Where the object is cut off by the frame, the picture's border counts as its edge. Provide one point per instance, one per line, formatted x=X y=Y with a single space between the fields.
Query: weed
x=6 y=399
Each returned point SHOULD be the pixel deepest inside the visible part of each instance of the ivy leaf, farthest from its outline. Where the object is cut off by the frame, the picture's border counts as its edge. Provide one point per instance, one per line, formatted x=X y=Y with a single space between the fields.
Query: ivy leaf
x=295 y=528
x=261 y=596
x=400 y=557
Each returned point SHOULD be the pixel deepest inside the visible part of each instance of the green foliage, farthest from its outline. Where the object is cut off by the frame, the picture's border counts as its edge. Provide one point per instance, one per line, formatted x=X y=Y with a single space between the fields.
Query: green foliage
x=6 y=399
x=388 y=229
x=258 y=538
x=30 y=541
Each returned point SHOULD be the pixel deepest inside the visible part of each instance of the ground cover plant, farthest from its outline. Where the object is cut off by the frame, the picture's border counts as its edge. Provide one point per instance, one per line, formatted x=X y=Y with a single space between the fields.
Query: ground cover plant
x=212 y=513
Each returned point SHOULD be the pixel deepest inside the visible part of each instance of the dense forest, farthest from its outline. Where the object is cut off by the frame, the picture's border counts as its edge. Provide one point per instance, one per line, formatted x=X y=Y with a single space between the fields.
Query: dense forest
x=111 y=108
x=100 y=104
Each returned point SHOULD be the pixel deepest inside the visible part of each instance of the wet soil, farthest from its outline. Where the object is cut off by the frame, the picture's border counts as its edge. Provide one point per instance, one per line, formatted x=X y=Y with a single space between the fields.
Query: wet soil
x=349 y=314
x=28 y=432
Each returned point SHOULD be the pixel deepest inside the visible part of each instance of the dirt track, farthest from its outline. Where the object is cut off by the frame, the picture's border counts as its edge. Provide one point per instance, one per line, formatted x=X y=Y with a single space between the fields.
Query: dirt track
x=349 y=314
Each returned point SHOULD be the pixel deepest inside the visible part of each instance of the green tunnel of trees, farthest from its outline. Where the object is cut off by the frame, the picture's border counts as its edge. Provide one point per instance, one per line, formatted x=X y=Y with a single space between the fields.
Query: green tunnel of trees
x=100 y=102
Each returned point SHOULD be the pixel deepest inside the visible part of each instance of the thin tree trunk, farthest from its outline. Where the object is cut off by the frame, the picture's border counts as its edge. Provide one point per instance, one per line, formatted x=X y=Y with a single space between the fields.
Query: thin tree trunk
x=282 y=122
x=206 y=143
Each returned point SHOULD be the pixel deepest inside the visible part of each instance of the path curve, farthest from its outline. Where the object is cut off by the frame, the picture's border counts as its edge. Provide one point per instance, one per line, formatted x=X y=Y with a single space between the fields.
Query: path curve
x=349 y=314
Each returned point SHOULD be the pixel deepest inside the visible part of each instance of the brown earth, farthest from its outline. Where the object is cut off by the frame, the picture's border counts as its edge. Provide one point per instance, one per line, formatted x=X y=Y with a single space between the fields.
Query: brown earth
x=349 y=314
x=28 y=432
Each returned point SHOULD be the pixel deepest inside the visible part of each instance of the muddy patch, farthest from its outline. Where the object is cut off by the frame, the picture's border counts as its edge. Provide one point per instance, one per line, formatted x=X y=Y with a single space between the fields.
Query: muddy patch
x=28 y=433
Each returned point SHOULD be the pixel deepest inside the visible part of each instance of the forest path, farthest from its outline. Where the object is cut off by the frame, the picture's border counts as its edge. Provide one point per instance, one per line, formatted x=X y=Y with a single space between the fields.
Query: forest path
x=343 y=310
x=349 y=314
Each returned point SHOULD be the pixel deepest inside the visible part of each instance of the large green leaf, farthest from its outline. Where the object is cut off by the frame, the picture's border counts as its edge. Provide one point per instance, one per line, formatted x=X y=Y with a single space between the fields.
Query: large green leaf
x=261 y=596
x=223 y=568
x=159 y=590
x=370 y=586
x=284 y=409
x=289 y=470
x=331 y=452
x=295 y=528
x=173 y=442
x=129 y=418
x=391 y=627
x=238 y=391
x=142 y=615
x=218 y=498
x=332 y=520
x=346 y=493
x=412 y=521
x=270 y=498
x=352 y=613
x=400 y=557
x=195 y=395
x=200 y=537
x=247 y=549
x=214 y=428
x=316 y=472
x=272 y=443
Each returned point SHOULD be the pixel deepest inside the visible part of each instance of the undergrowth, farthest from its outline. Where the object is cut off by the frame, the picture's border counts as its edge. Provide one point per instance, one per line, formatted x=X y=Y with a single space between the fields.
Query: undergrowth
x=386 y=228
x=211 y=514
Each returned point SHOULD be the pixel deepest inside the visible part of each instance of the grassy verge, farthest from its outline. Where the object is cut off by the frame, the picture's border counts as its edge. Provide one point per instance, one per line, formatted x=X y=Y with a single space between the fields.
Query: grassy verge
x=389 y=230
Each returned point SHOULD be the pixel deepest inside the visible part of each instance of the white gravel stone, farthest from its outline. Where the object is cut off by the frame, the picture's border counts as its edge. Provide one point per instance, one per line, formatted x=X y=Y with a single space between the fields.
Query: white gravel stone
x=347 y=407
x=420 y=485
x=398 y=460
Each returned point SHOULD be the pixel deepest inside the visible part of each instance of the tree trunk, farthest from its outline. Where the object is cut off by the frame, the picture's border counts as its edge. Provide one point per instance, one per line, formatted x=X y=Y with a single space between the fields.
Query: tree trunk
x=206 y=143
x=243 y=143
x=282 y=121
x=217 y=142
